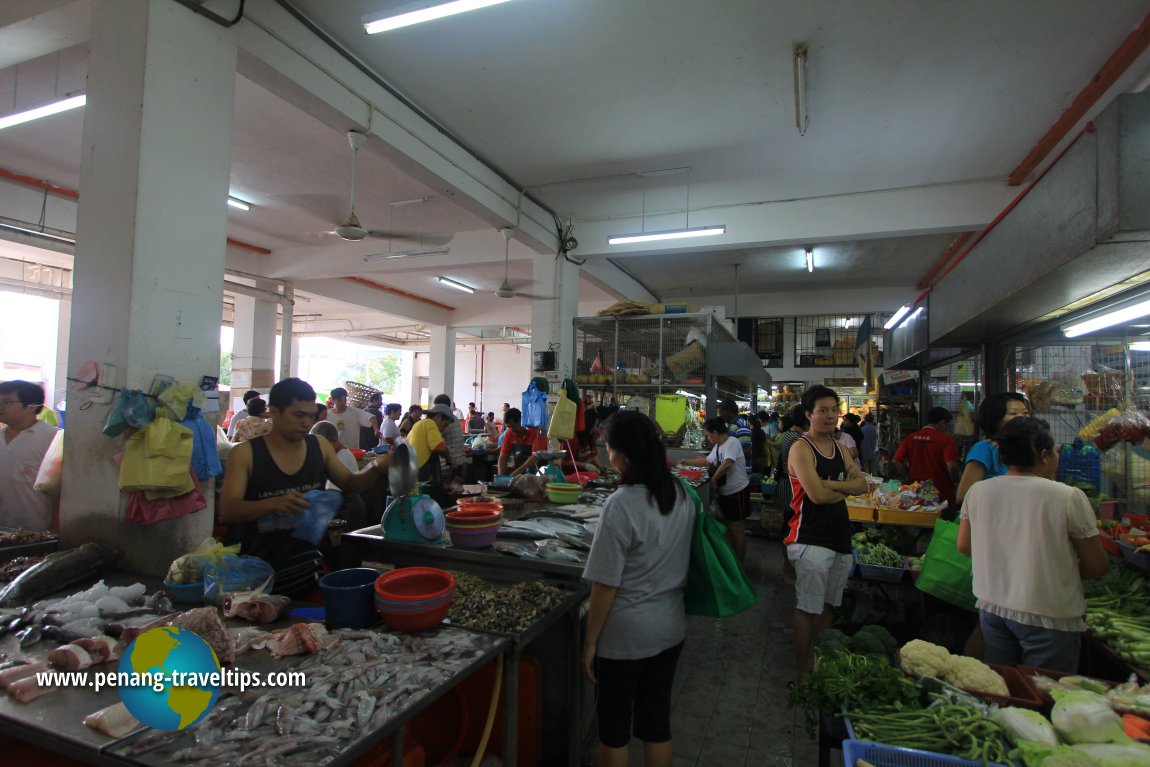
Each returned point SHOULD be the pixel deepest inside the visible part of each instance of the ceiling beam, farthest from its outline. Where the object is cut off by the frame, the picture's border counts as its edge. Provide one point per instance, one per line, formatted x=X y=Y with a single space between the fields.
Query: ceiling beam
x=30 y=29
x=377 y=300
x=280 y=54
x=615 y=281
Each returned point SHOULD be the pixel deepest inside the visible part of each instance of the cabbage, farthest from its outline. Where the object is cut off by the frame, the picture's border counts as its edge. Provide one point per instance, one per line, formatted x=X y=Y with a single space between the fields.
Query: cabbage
x=1021 y=724
x=1084 y=717
x=1117 y=754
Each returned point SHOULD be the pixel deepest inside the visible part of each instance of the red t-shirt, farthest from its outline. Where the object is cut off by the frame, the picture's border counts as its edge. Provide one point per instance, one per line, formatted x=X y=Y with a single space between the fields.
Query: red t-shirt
x=533 y=438
x=926 y=453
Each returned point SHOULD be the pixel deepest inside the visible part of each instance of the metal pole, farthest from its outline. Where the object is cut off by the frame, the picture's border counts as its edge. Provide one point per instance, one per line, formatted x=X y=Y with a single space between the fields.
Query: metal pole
x=286 y=331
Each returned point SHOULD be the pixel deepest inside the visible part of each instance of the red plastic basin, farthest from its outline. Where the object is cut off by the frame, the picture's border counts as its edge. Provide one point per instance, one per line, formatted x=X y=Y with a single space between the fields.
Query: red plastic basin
x=415 y=621
x=414 y=584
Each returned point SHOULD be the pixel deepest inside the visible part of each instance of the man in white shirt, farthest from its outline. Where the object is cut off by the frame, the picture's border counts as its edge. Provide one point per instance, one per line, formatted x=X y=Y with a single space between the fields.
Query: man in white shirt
x=389 y=431
x=348 y=420
x=24 y=439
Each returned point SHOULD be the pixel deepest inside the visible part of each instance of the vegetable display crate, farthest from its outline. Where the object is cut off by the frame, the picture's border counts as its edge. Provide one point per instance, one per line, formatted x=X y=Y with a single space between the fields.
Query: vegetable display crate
x=894 y=756
x=879 y=572
x=861 y=513
x=907 y=518
x=1130 y=553
x=1080 y=463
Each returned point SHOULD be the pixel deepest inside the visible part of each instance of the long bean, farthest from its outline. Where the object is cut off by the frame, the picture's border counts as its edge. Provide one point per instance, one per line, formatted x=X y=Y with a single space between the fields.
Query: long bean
x=950 y=729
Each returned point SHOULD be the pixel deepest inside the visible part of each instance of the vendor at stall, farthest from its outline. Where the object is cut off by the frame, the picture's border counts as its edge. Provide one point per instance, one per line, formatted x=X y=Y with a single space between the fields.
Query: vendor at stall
x=266 y=478
x=426 y=438
x=516 y=453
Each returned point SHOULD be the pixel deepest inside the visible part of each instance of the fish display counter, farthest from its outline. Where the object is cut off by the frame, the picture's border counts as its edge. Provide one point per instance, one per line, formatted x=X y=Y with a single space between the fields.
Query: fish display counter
x=351 y=689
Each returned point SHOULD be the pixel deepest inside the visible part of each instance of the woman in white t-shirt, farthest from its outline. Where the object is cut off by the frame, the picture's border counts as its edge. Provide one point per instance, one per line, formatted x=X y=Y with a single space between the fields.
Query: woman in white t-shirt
x=729 y=480
x=1032 y=541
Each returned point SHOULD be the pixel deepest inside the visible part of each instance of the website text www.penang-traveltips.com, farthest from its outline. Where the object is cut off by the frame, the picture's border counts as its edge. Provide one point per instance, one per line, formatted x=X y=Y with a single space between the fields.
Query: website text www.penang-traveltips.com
x=230 y=678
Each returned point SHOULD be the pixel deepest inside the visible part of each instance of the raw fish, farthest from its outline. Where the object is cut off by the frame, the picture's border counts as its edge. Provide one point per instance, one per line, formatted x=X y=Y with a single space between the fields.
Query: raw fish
x=113 y=721
x=10 y=675
x=70 y=657
x=28 y=689
x=58 y=571
x=102 y=648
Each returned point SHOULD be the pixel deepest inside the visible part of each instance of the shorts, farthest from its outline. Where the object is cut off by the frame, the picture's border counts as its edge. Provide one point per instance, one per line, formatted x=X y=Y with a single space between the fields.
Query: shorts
x=820 y=576
x=737 y=506
x=635 y=696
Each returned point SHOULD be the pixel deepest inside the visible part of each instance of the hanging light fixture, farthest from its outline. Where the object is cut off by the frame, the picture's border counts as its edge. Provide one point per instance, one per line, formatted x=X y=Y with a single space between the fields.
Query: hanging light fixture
x=437 y=11
x=810 y=258
x=799 y=58
x=457 y=285
x=896 y=317
x=1125 y=311
x=52 y=108
x=668 y=234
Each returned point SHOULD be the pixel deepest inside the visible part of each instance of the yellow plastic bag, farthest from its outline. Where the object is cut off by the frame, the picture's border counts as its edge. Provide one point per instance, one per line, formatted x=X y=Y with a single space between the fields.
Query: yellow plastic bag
x=189 y=568
x=157 y=457
x=671 y=412
x=563 y=419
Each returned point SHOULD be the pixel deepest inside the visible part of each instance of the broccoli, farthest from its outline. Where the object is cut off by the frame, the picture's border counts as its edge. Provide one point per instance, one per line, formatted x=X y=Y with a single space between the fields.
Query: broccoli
x=867 y=644
x=884 y=636
x=831 y=649
x=833 y=635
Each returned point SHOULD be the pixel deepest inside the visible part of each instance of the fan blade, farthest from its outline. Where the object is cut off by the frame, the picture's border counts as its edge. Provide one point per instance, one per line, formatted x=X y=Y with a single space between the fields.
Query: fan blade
x=535 y=297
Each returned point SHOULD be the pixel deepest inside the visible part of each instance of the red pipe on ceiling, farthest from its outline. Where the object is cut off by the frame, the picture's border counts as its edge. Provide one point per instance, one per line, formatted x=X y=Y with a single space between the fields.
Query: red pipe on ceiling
x=397 y=292
x=1130 y=49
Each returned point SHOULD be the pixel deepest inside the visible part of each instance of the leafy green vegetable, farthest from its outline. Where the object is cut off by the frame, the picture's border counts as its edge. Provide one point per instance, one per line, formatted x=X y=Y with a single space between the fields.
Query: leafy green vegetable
x=853 y=681
x=1085 y=717
x=884 y=636
x=948 y=729
x=867 y=644
x=1023 y=725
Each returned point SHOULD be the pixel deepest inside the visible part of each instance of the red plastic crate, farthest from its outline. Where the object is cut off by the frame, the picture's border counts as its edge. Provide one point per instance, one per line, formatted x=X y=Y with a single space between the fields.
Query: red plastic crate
x=1029 y=671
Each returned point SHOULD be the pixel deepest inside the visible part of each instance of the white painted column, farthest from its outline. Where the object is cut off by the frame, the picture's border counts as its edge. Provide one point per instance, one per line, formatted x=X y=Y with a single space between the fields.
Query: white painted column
x=151 y=235
x=552 y=320
x=63 y=331
x=254 y=347
x=294 y=367
x=441 y=370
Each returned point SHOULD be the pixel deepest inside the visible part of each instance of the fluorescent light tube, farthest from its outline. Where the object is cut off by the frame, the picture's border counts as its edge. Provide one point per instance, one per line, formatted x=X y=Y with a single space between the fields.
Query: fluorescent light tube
x=894 y=320
x=439 y=251
x=426 y=14
x=669 y=234
x=810 y=259
x=48 y=109
x=676 y=171
x=236 y=202
x=456 y=285
x=917 y=312
x=1116 y=317
x=1140 y=346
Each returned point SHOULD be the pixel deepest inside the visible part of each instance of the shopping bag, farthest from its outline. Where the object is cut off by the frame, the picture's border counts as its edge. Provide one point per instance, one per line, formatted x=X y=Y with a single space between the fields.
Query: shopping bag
x=157 y=457
x=946 y=571
x=716 y=584
x=146 y=511
x=563 y=418
x=51 y=467
x=230 y=574
x=534 y=406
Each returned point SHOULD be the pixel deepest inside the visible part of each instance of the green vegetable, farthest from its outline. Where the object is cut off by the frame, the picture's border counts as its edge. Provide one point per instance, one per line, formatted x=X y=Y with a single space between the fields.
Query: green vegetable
x=959 y=730
x=878 y=554
x=867 y=644
x=884 y=636
x=853 y=681
x=1084 y=717
x=833 y=635
x=831 y=649
x=1117 y=754
x=1023 y=725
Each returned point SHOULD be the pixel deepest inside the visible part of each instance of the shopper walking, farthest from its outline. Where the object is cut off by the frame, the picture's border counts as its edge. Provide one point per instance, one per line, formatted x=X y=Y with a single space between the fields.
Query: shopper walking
x=1032 y=541
x=822 y=475
x=982 y=461
x=636 y=623
x=738 y=427
x=729 y=483
x=23 y=442
x=868 y=450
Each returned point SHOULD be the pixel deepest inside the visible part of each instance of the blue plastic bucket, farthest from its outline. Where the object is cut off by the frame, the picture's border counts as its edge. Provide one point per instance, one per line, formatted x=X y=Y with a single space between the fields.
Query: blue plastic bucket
x=349 y=598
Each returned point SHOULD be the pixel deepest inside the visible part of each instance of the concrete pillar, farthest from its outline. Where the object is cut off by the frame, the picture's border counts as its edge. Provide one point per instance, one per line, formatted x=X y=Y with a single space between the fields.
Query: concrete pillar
x=151 y=235
x=254 y=347
x=441 y=370
x=552 y=319
x=293 y=369
x=63 y=330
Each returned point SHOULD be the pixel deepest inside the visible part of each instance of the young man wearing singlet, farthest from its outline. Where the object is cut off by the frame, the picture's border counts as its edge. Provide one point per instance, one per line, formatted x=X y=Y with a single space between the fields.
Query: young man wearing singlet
x=267 y=476
x=819 y=539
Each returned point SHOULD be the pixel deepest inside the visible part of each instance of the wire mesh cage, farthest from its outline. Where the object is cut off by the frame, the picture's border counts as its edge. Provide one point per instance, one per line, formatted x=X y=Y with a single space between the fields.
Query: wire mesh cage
x=648 y=351
x=829 y=340
x=957 y=386
x=1077 y=388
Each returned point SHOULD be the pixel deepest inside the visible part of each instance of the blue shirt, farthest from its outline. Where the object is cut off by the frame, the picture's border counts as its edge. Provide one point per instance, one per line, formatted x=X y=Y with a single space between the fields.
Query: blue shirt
x=986 y=452
x=741 y=430
x=869 y=445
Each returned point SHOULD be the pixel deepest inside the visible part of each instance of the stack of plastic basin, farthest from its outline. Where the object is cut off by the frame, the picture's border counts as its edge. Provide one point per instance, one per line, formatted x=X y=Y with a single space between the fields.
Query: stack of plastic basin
x=563 y=492
x=474 y=526
x=414 y=598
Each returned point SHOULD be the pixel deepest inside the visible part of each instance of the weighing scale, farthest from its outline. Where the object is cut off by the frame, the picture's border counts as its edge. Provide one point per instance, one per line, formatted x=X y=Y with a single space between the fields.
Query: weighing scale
x=543 y=465
x=410 y=516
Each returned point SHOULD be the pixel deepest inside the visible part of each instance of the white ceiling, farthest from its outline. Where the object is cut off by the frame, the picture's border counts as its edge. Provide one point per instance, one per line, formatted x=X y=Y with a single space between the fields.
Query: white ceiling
x=918 y=112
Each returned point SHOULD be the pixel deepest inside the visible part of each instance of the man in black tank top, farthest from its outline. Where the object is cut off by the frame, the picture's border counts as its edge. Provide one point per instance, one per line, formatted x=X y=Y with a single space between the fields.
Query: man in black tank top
x=267 y=477
x=819 y=539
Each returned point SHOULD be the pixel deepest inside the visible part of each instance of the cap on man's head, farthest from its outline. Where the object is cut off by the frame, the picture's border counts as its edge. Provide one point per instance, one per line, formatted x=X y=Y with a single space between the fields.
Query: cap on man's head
x=441 y=409
x=339 y=393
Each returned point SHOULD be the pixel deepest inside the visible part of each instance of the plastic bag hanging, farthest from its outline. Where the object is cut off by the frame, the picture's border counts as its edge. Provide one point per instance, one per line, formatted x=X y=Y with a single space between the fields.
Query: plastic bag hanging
x=534 y=403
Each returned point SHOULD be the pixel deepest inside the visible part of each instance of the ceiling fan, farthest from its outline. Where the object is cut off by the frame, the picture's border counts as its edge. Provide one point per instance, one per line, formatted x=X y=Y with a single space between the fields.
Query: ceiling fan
x=352 y=231
x=505 y=290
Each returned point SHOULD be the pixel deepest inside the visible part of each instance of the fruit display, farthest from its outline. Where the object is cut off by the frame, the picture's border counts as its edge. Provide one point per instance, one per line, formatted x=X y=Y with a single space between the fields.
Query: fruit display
x=1128 y=426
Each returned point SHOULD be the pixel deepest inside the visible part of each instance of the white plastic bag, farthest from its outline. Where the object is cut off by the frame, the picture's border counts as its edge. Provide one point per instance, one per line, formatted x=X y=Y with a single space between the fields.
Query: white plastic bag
x=51 y=467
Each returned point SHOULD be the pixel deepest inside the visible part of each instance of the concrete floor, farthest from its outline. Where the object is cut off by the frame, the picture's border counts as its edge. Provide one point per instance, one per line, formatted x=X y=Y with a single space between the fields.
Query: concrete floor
x=730 y=693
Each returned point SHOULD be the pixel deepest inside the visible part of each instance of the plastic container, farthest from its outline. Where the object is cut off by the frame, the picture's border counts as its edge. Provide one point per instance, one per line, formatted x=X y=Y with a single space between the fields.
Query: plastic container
x=471 y=511
x=348 y=598
x=501 y=480
x=462 y=538
x=582 y=477
x=185 y=593
x=414 y=584
x=357 y=453
x=893 y=756
x=419 y=620
x=861 y=513
x=880 y=572
x=1133 y=557
x=563 y=492
x=411 y=607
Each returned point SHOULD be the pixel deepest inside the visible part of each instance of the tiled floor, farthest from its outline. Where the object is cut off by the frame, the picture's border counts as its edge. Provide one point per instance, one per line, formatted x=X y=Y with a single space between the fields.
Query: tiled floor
x=730 y=695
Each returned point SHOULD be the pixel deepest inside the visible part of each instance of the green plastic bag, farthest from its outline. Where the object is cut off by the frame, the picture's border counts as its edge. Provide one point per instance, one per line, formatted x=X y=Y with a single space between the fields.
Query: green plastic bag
x=946 y=572
x=716 y=584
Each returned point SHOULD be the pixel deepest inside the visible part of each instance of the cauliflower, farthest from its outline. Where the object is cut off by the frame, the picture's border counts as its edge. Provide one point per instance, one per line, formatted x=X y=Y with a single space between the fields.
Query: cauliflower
x=921 y=658
x=974 y=675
